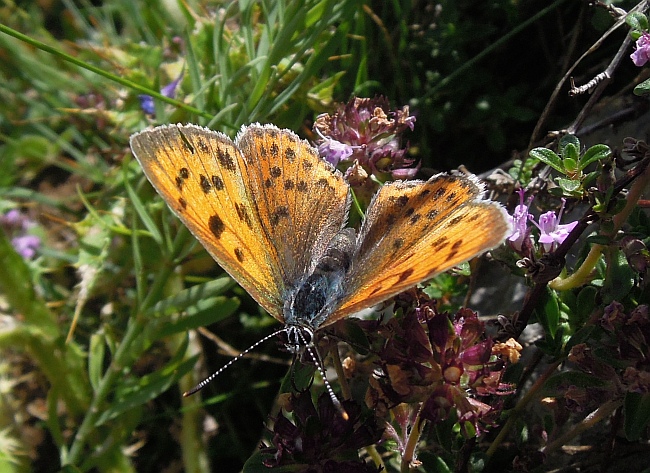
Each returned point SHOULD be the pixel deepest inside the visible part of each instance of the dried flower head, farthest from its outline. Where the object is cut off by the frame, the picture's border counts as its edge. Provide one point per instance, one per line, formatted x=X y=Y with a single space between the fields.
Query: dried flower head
x=367 y=132
x=444 y=362
x=319 y=439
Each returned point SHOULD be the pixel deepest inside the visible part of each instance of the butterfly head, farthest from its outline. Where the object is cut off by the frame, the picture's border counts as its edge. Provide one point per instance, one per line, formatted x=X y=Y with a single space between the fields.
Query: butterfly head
x=298 y=338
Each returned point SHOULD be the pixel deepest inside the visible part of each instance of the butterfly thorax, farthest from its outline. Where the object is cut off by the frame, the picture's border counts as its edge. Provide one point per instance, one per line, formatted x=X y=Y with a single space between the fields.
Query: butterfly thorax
x=311 y=301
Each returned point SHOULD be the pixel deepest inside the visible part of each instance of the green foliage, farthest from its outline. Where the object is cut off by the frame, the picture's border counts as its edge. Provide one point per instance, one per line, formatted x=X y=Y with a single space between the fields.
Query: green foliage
x=572 y=164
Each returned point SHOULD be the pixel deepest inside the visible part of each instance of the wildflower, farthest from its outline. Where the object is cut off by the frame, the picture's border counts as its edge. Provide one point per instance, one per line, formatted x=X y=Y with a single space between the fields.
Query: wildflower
x=319 y=438
x=552 y=232
x=365 y=131
x=642 y=53
x=146 y=101
x=620 y=363
x=520 y=239
x=26 y=245
x=16 y=226
x=445 y=363
x=334 y=151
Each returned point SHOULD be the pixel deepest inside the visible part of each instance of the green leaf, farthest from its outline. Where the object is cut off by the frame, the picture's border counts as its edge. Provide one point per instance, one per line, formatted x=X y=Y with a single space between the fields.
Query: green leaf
x=595 y=153
x=135 y=392
x=570 y=378
x=569 y=146
x=643 y=88
x=570 y=152
x=190 y=297
x=619 y=279
x=599 y=239
x=637 y=21
x=548 y=157
x=637 y=415
x=548 y=313
x=203 y=313
x=570 y=165
x=96 y=353
x=569 y=186
x=142 y=212
x=585 y=305
x=580 y=336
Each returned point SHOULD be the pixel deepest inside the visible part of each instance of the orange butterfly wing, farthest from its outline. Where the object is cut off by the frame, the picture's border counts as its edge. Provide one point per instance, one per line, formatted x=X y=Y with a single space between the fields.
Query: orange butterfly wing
x=414 y=230
x=302 y=200
x=260 y=230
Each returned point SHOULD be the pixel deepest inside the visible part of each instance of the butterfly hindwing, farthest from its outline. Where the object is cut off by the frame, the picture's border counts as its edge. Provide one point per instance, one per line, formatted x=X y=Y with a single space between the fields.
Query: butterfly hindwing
x=414 y=230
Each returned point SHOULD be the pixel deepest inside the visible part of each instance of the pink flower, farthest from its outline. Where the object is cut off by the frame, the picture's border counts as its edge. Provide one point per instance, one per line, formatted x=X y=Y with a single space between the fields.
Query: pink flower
x=642 y=53
x=553 y=233
x=334 y=151
x=366 y=131
x=519 y=222
x=17 y=226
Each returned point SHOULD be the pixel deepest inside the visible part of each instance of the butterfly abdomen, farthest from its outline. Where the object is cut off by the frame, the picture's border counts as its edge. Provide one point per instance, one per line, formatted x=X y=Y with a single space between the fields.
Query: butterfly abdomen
x=318 y=294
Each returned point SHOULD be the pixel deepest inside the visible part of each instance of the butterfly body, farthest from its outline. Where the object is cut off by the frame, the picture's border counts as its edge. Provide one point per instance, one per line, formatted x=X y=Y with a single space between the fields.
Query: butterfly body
x=273 y=215
x=318 y=296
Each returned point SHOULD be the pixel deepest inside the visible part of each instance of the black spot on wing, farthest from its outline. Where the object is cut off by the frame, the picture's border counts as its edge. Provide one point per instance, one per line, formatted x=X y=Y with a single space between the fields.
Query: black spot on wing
x=205 y=184
x=278 y=214
x=226 y=160
x=217 y=182
x=405 y=275
x=216 y=226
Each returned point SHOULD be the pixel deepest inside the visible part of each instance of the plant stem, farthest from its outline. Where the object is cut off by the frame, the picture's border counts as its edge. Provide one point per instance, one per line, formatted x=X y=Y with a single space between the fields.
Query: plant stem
x=414 y=436
x=518 y=409
x=588 y=422
x=122 y=357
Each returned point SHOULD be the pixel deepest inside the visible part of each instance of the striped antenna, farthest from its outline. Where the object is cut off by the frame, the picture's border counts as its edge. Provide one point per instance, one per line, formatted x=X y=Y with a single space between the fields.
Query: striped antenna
x=293 y=333
x=209 y=379
x=315 y=356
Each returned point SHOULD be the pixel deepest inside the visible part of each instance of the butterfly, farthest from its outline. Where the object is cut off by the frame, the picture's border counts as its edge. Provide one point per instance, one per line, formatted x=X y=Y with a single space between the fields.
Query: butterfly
x=273 y=214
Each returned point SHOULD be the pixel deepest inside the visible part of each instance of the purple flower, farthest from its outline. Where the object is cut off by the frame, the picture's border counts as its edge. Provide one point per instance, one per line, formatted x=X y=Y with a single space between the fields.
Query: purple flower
x=334 y=151
x=553 y=233
x=519 y=222
x=26 y=245
x=146 y=101
x=366 y=133
x=16 y=225
x=642 y=53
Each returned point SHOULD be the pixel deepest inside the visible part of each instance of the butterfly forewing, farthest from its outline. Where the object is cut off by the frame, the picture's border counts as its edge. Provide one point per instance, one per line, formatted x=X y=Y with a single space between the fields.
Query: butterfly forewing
x=416 y=229
x=203 y=178
x=302 y=200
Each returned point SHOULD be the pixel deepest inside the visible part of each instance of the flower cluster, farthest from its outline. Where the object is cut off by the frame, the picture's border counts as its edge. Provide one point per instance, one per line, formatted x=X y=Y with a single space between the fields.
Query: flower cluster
x=626 y=364
x=17 y=227
x=320 y=439
x=365 y=135
x=552 y=232
x=445 y=363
